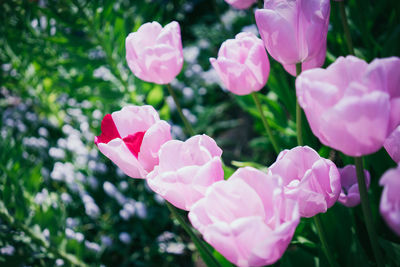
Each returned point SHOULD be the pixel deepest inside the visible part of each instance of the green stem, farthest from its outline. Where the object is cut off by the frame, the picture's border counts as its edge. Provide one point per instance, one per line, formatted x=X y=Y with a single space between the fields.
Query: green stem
x=322 y=237
x=265 y=122
x=317 y=220
x=299 y=130
x=300 y=141
x=260 y=3
x=362 y=187
x=205 y=253
x=346 y=29
x=178 y=107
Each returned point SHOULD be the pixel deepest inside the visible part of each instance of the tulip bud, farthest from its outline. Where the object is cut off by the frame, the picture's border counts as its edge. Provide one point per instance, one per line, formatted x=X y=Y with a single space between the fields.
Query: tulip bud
x=247 y=218
x=242 y=64
x=352 y=106
x=154 y=54
x=307 y=178
x=295 y=31
x=186 y=170
x=241 y=4
x=350 y=195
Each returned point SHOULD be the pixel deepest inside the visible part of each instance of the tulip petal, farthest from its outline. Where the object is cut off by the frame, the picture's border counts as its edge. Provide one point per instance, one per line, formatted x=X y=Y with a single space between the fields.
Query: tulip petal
x=392 y=145
x=119 y=153
x=132 y=119
x=108 y=131
x=157 y=135
x=353 y=136
x=278 y=35
x=390 y=199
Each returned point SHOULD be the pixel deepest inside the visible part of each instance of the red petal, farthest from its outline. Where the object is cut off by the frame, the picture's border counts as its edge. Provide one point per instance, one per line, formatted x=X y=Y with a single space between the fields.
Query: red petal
x=134 y=141
x=108 y=131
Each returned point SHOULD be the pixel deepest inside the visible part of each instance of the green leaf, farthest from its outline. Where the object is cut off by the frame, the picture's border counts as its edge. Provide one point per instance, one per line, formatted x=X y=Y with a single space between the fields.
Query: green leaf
x=392 y=251
x=156 y=96
x=241 y=164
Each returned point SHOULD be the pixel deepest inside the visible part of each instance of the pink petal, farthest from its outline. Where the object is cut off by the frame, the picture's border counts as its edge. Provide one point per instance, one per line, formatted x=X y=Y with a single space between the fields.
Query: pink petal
x=278 y=35
x=355 y=117
x=119 y=153
x=157 y=135
x=390 y=199
x=132 y=119
x=392 y=145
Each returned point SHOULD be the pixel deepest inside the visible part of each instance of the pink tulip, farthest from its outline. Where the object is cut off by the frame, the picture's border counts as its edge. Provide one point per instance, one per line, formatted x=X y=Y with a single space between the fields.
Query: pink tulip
x=132 y=137
x=186 y=170
x=392 y=145
x=241 y=4
x=247 y=218
x=154 y=54
x=350 y=196
x=242 y=64
x=311 y=180
x=390 y=199
x=352 y=106
x=295 y=31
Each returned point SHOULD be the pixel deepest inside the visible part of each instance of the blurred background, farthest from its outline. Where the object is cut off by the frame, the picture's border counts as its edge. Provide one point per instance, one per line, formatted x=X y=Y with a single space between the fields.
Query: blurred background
x=62 y=68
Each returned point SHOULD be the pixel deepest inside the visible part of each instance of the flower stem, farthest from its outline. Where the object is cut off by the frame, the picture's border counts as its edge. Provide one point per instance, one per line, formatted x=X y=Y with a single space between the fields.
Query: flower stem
x=265 y=122
x=299 y=130
x=178 y=107
x=322 y=237
x=362 y=187
x=300 y=141
x=260 y=3
x=346 y=29
x=205 y=253
x=317 y=219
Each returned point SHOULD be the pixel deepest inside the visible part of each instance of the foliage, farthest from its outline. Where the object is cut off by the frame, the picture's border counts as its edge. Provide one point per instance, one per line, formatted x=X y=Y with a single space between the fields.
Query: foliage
x=63 y=68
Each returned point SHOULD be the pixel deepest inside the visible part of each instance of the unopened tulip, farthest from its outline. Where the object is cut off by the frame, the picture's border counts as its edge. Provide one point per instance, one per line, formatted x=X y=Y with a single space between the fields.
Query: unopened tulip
x=247 y=218
x=295 y=31
x=352 y=106
x=350 y=195
x=132 y=137
x=241 y=4
x=186 y=170
x=242 y=64
x=308 y=178
x=390 y=199
x=392 y=145
x=154 y=54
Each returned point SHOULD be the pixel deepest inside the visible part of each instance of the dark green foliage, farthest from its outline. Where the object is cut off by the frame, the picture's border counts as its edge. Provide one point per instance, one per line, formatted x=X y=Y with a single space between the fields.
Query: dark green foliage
x=63 y=68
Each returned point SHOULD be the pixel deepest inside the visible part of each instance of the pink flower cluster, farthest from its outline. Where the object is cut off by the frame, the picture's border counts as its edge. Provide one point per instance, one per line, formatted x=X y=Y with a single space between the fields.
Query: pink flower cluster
x=190 y=176
x=351 y=106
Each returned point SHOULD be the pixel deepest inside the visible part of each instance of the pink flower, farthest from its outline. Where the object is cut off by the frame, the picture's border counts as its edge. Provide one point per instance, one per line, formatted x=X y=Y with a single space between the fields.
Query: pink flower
x=247 y=218
x=132 y=137
x=154 y=54
x=186 y=170
x=295 y=31
x=392 y=145
x=390 y=199
x=242 y=64
x=352 y=106
x=241 y=4
x=350 y=196
x=311 y=180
